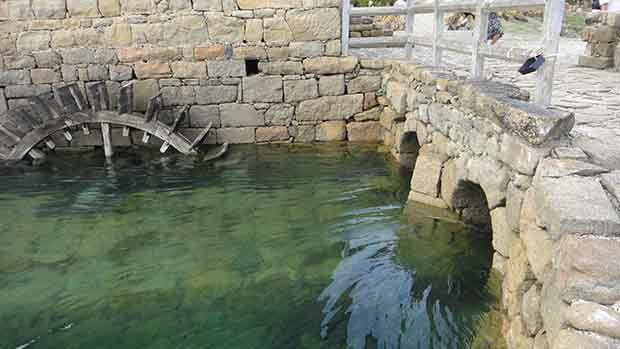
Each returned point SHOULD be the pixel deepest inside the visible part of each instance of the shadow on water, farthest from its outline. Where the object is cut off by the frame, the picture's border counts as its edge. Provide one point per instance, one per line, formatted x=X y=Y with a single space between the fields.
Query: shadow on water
x=269 y=247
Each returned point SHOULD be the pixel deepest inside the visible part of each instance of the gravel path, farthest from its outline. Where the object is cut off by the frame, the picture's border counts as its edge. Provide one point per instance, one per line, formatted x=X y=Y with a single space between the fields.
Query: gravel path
x=593 y=95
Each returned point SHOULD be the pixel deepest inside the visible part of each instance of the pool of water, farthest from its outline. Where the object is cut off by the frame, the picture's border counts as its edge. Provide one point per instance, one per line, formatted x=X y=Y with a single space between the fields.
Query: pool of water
x=269 y=247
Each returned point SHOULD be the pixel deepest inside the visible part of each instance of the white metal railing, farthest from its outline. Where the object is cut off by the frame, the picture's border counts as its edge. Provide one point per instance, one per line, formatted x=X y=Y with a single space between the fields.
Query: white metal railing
x=479 y=47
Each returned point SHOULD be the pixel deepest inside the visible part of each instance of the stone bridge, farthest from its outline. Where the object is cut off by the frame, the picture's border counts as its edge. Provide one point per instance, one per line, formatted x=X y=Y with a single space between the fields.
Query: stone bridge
x=481 y=150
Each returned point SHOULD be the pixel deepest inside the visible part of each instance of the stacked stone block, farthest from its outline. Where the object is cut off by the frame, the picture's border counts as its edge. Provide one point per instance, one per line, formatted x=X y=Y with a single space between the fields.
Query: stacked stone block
x=554 y=214
x=261 y=71
x=602 y=35
x=367 y=27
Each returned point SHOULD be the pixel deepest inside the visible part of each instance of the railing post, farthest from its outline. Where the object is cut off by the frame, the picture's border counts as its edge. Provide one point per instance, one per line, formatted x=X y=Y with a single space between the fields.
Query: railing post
x=346 y=16
x=480 y=37
x=409 y=28
x=437 y=30
x=554 y=15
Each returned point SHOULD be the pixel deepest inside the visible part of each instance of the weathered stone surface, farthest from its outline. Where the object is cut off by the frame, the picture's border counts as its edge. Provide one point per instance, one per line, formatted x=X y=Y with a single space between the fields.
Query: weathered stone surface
x=137 y=6
x=47 y=59
x=540 y=342
x=369 y=115
x=262 y=89
x=582 y=277
x=575 y=205
x=570 y=153
x=254 y=30
x=33 y=41
x=300 y=90
x=556 y=168
x=333 y=48
x=588 y=316
x=226 y=68
x=19 y=62
x=518 y=279
x=329 y=108
x=330 y=65
x=208 y=53
x=397 y=95
x=216 y=94
x=611 y=182
x=16 y=9
x=364 y=83
x=44 y=76
x=97 y=72
x=152 y=70
x=331 y=85
x=369 y=132
x=514 y=201
x=521 y=156
x=208 y=5
x=237 y=135
x=109 y=8
x=189 y=70
x=571 y=339
x=49 y=8
x=181 y=95
x=21 y=91
x=281 y=68
x=499 y=263
x=303 y=133
x=530 y=311
x=537 y=242
x=331 y=131
x=225 y=29
x=272 y=134
x=83 y=8
x=492 y=177
x=143 y=90
x=279 y=115
x=14 y=77
x=268 y=4
x=121 y=73
x=276 y=31
x=306 y=49
x=314 y=24
x=427 y=173
x=503 y=236
x=427 y=200
x=3 y=105
x=240 y=115
x=516 y=337
x=596 y=62
x=202 y=115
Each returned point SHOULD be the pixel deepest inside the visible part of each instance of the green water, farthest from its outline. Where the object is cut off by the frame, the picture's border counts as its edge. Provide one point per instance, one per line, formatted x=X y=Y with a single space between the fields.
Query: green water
x=270 y=247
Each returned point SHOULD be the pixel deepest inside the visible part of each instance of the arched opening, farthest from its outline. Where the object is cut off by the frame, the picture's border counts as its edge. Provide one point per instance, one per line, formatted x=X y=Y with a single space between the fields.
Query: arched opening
x=408 y=149
x=470 y=202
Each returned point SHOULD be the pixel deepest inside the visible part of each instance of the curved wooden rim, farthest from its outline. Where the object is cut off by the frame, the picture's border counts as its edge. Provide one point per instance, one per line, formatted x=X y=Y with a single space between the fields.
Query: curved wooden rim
x=155 y=128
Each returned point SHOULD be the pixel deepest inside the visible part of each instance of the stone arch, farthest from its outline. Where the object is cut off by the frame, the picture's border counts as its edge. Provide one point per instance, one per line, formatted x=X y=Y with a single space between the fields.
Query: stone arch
x=408 y=148
x=469 y=200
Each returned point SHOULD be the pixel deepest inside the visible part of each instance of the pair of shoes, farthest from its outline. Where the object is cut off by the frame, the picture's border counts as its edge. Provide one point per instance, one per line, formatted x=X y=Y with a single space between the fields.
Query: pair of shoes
x=532 y=64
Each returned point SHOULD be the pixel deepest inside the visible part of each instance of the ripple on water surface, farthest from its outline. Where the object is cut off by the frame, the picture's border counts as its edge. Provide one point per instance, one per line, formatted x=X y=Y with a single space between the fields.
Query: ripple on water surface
x=270 y=247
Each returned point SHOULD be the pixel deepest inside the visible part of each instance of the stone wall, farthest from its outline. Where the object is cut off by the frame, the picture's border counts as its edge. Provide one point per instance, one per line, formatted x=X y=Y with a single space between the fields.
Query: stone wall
x=602 y=35
x=368 y=27
x=261 y=71
x=553 y=213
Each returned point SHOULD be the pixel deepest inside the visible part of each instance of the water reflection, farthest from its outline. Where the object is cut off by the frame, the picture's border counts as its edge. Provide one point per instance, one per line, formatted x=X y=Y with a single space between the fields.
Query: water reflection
x=399 y=284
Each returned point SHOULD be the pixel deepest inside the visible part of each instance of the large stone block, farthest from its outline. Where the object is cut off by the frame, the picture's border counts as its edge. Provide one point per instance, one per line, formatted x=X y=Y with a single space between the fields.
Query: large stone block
x=272 y=134
x=3 y=105
x=331 y=85
x=225 y=29
x=118 y=34
x=330 y=65
x=189 y=70
x=314 y=24
x=303 y=133
x=329 y=108
x=279 y=115
x=503 y=236
x=83 y=8
x=588 y=269
x=575 y=205
x=369 y=132
x=216 y=94
x=152 y=70
x=109 y=8
x=208 y=5
x=611 y=182
x=530 y=311
x=593 y=317
x=521 y=156
x=14 y=77
x=17 y=8
x=331 y=131
x=306 y=49
x=121 y=73
x=181 y=95
x=300 y=90
x=226 y=68
x=254 y=30
x=49 y=8
x=202 y=115
x=45 y=76
x=137 y=6
x=268 y=4
x=364 y=83
x=492 y=177
x=262 y=89
x=238 y=135
x=570 y=339
x=33 y=41
x=281 y=68
x=276 y=31
x=143 y=90
x=23 y=91
x=369 y=115
x=240 y=115
x=427 y=172
x=397 y=94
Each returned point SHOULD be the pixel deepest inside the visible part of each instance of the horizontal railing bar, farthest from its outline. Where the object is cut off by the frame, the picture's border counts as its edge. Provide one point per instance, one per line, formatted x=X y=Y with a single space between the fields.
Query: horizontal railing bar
x=454 y=7
x=378 y=42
